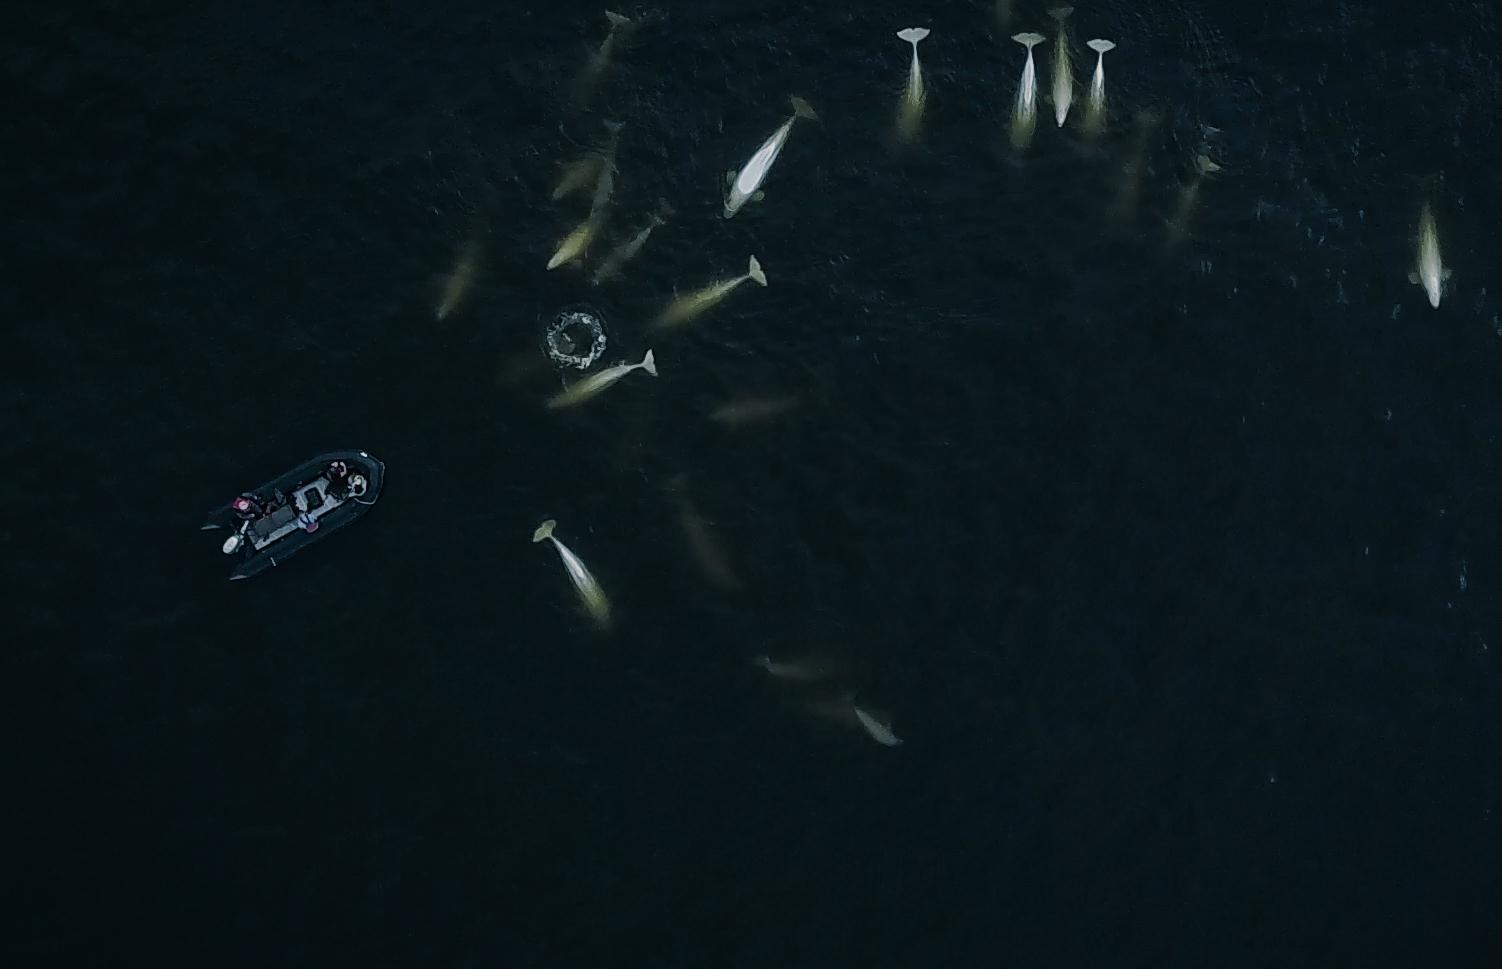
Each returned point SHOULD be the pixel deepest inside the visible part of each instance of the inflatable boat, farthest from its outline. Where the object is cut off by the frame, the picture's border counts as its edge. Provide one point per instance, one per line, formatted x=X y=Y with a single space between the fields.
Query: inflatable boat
x=285 y=515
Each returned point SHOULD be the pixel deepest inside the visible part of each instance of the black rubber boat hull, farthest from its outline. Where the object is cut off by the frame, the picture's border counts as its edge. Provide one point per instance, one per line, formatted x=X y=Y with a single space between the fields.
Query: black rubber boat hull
x=251 y=563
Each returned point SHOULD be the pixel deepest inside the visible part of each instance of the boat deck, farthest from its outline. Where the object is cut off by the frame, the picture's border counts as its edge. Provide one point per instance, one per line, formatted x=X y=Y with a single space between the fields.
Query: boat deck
x=313 y=497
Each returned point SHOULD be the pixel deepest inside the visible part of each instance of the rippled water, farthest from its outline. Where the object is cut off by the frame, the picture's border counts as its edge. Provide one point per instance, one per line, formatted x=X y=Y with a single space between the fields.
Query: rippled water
x=1173 y=563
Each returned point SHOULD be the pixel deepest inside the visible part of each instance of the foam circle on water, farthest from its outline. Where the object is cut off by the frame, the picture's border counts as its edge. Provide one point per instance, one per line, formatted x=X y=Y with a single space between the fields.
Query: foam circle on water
x=575 y=338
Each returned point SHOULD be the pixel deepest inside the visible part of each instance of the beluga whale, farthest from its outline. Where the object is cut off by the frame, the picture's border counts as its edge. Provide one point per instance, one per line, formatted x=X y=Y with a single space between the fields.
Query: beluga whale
x=683 y=308
x=1429 y=271
x=1095 y=104
x=1063 y=74
x=745 y=185
x=1178 y=226
x=592 y=385
x=599 y=61
x=591 y=596
x=457 y=284
x=1025 y=111
x=910 y=109
x=626 y=251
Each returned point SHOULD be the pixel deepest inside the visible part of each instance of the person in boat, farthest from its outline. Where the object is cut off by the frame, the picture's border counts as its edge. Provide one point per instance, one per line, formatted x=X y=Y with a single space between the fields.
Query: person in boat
x=338 y=479
x=308 y=522
x=247 y=508
x=357 y=485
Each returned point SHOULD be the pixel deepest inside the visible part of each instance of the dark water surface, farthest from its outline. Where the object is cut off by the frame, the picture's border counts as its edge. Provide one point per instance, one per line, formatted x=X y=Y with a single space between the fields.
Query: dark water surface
x=1176 y=566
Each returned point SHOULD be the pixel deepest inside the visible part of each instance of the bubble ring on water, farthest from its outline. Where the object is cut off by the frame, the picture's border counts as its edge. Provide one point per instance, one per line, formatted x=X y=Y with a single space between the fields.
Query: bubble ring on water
x=575 y=338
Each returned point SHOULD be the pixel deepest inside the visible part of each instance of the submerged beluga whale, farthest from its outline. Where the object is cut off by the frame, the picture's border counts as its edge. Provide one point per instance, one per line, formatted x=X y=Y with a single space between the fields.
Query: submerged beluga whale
x=1063 y=73
x=1429 y=271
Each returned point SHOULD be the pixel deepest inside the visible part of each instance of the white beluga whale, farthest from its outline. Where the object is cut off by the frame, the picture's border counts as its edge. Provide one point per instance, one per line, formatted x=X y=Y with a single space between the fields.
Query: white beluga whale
x=910 y=109
x=590 y=593
x=578 y=175
x=745 y=185
x=1025 y=111
x=703 y=542
x=610 y=267
x=684 y=308
x=844 y=709
x=1178 y=226
x=1429 y=271
x=577 y=242
x=1063 y=73
x=605 y=180
x=586 y=171
x=456 y=286
x=1095 y=103
x=744 y=411
x=879 y=732
x=805 y=669
x=595 y=383
x=602 y=168
x=599 y=61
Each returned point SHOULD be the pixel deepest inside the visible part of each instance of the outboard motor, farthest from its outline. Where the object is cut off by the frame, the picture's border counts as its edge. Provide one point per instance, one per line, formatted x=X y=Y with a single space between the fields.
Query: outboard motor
x=233 y=543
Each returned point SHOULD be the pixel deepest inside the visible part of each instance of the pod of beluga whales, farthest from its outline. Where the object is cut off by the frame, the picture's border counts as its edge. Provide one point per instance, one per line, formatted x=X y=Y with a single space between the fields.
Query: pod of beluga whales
x=594 y=175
